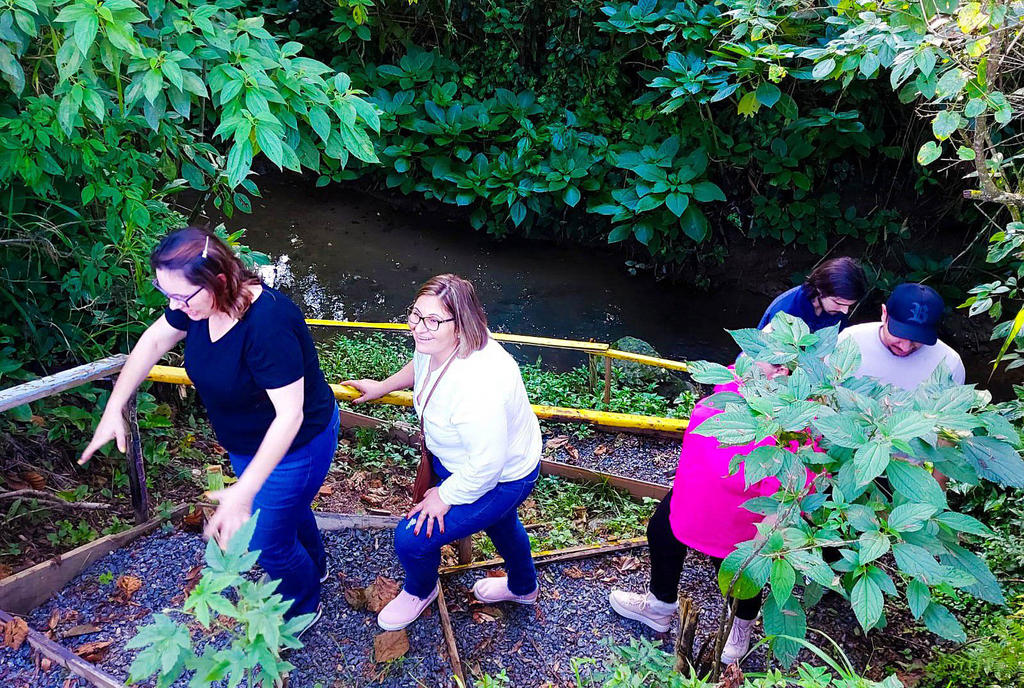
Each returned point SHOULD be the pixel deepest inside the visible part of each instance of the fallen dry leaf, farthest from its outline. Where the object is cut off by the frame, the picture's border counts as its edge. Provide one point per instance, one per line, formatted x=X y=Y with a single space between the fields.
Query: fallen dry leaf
x=356 y=598
x=326 y=490
x=601 y=450
x=5 y=571
x=626 y=563
x=54 y=619
x=194 y=519
x=732 y=677
x=45 y=664
x=81 y=629
x=496 y=573
x=192 y=578
x=487 y=614
x=574 y=572
x=390 y=645
x=380 y=592
x=572 y=452
x=556 y=442
x=14 y=482
x=127 y=586
x=95 y=651
x=35 y=480
x=15 y=632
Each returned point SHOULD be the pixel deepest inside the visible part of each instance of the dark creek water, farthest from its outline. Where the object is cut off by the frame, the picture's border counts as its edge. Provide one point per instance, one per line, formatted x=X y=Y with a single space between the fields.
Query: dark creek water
x=343 y=255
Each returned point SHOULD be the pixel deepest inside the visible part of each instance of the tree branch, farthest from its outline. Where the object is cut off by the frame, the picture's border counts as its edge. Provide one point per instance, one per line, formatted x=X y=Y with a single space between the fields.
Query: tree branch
x=51 y=500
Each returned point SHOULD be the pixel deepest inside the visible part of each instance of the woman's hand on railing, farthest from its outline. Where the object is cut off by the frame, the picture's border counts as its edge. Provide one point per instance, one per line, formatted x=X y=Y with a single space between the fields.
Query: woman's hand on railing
x=111 y=427
x=369 y=389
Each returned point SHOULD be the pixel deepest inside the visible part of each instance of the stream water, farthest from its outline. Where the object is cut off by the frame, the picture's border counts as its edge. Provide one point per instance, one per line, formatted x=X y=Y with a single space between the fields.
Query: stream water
x=346 y=256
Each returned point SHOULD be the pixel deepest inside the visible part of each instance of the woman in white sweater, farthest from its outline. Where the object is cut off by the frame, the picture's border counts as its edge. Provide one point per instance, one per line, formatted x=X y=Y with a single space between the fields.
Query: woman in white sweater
x=484 y=444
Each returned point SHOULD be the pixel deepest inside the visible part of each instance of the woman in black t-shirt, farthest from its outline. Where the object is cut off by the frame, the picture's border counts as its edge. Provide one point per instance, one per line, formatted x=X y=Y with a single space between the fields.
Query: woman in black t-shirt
x=251 y=357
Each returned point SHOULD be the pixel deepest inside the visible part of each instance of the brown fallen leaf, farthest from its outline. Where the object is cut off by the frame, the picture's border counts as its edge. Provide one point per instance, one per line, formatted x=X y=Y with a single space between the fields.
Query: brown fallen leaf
x=14 y=633
x=80 y=629
x=192 y=578
x=487 y=614
x=45 y=665
x=380 y=592
x=573 y=453
x=127 y=586
x=326 y=490
x=390 y=645
x=14 y=482
x=601 y=450
x=496 y=573
x=356 y=598
x=626 y=563
x=35 y=480
x=574 y=572
x=94 y=652
x=556 y=442
x=732 y=677
x=5 y=571
x=51 y=624
x=193 y=520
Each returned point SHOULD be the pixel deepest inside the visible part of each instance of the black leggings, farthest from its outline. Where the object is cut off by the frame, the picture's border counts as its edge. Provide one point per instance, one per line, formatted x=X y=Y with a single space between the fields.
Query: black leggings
x=667 y=557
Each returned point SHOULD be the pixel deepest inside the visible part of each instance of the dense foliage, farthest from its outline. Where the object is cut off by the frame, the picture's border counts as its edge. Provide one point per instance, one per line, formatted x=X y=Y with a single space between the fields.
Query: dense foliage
x=871 y=500
x=116 y=115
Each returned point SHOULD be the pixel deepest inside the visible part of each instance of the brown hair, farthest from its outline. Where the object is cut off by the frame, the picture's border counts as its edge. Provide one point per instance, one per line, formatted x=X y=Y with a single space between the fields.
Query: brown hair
x=203 y=258
x=458 y=297
x=841 y=277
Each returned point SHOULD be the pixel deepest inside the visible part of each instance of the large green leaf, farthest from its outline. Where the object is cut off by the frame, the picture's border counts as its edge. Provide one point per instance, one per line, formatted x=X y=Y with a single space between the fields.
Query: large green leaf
x=994 y=460
x=785 y=620
x=942 y=623
x=915 y=483
x=866 y=600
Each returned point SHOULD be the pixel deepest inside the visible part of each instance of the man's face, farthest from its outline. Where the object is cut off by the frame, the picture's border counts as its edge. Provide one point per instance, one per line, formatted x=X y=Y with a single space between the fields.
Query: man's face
x=833 y=305
x=896 y=345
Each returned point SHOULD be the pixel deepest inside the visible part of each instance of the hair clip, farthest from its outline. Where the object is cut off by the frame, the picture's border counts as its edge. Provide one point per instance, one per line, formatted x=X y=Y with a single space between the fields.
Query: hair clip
x=206 y=249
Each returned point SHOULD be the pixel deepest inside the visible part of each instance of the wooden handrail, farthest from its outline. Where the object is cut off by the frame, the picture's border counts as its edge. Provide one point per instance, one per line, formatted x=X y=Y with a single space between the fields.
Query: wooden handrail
x=22 y=394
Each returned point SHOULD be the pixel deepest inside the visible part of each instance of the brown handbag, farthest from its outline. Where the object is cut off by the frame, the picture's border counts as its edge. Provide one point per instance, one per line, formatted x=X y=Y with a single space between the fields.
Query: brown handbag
x=425 y=475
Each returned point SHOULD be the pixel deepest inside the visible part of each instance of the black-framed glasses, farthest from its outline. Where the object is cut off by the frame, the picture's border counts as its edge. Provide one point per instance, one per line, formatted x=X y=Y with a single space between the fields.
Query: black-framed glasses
x=431 y=322
x=183 y=300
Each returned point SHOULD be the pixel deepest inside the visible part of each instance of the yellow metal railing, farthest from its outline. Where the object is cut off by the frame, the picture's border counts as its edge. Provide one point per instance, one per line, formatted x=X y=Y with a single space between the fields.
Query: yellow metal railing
x=621 y=421
x=591 y=348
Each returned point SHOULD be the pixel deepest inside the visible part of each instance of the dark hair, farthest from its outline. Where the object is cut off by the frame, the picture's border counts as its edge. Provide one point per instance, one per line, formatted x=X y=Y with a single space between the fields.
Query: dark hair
x=840 y=277
x=458 y=297
x=203 y=259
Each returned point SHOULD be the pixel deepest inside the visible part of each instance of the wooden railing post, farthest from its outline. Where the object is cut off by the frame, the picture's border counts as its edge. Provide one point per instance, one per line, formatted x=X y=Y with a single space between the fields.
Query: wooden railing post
x=136 y=468
x=466 y=550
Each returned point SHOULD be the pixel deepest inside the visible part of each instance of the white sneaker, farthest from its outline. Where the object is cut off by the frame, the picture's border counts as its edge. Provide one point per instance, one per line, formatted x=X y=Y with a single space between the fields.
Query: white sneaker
x=738 y=644
x=647 y=609
x=317 y=617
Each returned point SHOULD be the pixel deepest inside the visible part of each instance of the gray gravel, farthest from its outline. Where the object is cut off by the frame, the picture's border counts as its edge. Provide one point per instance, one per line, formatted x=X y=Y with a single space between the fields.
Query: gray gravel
x=535 y=645
x=338 y=650
x=634 y=456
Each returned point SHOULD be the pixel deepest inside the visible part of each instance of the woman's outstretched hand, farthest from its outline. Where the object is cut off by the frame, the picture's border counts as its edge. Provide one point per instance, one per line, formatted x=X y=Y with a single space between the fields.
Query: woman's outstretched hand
x=234 y=508
x=369 y=389
x=111 y=427
x=432 y=507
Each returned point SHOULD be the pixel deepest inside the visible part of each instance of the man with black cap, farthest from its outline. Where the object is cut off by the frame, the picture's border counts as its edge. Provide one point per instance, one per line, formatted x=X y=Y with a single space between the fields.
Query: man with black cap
x=903 y=349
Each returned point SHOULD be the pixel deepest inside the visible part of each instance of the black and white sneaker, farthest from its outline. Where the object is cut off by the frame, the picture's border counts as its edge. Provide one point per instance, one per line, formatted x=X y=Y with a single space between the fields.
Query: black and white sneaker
x=265 y=578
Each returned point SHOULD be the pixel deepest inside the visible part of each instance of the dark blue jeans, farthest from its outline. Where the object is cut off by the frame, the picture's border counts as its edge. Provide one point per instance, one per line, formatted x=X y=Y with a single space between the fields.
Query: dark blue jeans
x=286 y=534
x=494 y=513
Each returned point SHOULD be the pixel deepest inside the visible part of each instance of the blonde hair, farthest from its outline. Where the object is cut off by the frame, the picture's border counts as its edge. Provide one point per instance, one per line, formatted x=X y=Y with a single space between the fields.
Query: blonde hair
x=458 y=297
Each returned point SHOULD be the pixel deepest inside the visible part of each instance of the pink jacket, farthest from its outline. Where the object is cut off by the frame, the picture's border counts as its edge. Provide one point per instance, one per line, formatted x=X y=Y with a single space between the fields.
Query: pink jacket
x=705 y=512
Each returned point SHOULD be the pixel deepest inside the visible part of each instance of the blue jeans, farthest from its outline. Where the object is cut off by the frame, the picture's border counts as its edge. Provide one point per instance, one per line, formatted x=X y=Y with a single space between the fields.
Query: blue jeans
x=288 y=540
x=494 y=513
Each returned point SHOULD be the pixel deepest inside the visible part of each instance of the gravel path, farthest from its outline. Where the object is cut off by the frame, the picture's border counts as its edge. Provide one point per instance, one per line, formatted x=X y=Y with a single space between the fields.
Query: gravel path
x=644 y=458
x=338 y=650
x=535 y=645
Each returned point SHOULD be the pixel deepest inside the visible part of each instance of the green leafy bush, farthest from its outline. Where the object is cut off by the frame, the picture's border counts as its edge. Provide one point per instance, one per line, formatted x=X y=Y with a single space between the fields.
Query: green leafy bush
x=871 y=498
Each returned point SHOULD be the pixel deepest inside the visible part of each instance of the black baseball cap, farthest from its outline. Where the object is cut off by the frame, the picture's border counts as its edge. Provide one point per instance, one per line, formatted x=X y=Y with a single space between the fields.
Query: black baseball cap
x=914 y=311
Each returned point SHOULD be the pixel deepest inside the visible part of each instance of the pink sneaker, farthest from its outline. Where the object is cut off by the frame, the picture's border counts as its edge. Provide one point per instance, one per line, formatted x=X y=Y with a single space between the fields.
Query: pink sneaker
x=403 y=610
x=491 y=590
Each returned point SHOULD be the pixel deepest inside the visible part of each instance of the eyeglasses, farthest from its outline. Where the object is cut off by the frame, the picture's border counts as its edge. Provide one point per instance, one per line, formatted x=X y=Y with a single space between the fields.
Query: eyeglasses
x=431 y=322
x=183 y=300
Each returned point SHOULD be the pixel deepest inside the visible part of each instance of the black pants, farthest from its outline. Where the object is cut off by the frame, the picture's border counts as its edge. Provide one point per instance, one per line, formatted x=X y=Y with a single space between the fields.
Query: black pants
x=667 y=557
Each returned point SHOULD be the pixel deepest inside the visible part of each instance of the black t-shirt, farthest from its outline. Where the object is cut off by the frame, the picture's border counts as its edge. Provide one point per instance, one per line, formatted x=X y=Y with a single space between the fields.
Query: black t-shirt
x=269 y=347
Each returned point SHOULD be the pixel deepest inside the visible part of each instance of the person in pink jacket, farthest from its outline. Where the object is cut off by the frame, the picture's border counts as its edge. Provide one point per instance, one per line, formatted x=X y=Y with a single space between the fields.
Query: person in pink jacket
x=702 y=511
